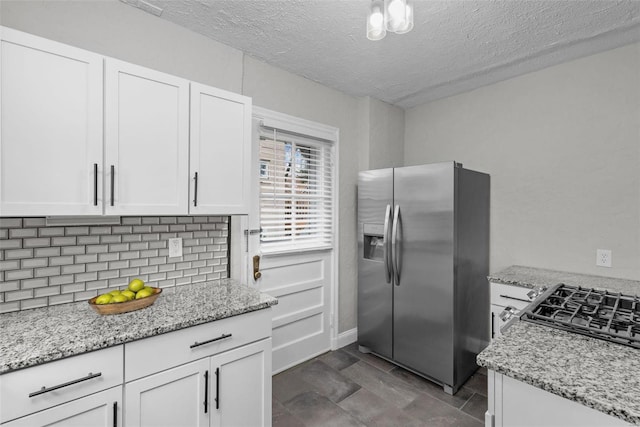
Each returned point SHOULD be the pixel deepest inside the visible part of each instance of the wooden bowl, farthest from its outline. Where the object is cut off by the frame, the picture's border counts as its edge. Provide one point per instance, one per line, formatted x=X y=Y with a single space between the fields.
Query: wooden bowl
x=125 y=307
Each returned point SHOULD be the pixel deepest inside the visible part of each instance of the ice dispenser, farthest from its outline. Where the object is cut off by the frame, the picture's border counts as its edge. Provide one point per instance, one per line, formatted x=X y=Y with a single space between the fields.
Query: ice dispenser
x=374 y=242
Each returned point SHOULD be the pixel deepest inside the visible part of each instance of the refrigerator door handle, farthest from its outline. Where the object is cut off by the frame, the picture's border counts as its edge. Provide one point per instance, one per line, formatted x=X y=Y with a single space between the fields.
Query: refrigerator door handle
x=387 y=243
x=394 y=245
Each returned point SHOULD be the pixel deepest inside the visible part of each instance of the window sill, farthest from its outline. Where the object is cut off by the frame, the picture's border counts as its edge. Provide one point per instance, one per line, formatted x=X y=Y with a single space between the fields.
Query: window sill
x=289 y=251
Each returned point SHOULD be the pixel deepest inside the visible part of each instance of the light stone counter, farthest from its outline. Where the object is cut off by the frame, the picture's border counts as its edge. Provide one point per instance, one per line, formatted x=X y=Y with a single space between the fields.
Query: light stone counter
x=529 y=277
x=32 y=337
x=596 y=373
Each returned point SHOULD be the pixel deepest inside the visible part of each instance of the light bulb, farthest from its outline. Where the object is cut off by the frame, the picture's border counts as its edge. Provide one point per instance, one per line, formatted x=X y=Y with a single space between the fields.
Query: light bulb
x=375 y=22
x=395 y=15
x=377 y=18
x=396 y=9
x=409 y=20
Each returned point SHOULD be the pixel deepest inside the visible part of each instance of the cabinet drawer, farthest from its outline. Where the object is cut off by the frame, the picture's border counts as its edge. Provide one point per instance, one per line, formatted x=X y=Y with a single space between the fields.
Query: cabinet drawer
x=95 y=410
x=155 y=354
x=15 y=387
x=504 y=295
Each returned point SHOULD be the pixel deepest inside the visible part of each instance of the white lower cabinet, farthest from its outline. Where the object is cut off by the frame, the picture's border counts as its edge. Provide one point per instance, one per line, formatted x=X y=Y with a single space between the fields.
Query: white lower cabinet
x=174 y=397
x=229 y=389
x=213 y=374
x=66 y=389
x=513 y=403
x=103 y=409
x=241 y=386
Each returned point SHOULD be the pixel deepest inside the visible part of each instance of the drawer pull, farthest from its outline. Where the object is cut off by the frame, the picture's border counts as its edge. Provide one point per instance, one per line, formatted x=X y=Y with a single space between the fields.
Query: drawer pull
x=198 y=344
x=59 y=386
x=115 y=414
x=514 y=298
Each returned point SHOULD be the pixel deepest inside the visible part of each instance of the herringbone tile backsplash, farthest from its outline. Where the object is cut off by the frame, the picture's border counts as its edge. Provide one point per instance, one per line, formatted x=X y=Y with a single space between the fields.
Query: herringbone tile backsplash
x=46 y=265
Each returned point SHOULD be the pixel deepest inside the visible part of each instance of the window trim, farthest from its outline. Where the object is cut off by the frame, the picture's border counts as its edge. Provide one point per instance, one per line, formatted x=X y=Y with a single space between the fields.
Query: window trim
x=291 y=123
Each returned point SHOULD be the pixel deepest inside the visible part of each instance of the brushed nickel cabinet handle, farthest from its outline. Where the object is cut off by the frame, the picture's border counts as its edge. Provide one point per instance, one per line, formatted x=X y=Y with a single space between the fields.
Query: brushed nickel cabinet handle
x=59 y=386
x=113 y=182
x=493 y=318
x=217 y=388
x=206 y=390
x=514 y=298
x=195 y=189
x=221 y=337
x=95 y=184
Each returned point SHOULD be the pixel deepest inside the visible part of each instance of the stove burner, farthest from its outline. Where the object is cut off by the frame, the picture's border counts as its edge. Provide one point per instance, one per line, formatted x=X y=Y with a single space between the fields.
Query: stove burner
x=601 y=314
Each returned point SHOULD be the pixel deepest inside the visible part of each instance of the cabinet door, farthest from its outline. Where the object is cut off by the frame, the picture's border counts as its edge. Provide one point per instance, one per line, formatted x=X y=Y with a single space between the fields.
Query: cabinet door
x=51 y=133
x=549 y=410
x=512 y=295
x=99 y=409
x=241 y=386
x=220 y=151
x=175 y=397
x=66 y=379
x=146 y=137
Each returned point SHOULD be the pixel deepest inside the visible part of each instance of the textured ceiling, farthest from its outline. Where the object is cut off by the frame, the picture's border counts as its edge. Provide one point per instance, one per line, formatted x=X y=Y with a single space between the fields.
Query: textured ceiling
x=455 y=45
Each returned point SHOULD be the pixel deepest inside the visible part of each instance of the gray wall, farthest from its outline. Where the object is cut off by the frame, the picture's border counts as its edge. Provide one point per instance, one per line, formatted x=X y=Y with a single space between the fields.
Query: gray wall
x=115 y=29
x=112 y=28
x=562 y=146
x=381 y=129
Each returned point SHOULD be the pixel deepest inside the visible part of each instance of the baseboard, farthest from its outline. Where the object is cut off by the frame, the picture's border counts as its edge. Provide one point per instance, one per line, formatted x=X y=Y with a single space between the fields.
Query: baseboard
x=345 y=338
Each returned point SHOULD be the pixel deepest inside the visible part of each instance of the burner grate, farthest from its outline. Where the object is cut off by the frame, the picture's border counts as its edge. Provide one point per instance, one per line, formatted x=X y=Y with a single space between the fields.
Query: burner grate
x=601 y=314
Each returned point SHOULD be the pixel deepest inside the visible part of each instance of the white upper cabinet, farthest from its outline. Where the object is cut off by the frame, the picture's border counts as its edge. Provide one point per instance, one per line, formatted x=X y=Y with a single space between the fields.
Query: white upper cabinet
x=51 y=132
x=65 y=149
x=220 y=151
x=146 y=141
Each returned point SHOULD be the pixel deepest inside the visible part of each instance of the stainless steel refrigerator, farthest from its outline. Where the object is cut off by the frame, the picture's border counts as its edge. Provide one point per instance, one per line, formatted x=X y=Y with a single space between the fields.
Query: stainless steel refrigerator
x=423 y=244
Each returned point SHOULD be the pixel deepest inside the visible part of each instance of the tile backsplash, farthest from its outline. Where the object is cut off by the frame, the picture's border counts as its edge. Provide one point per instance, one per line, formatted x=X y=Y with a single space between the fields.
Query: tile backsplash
x=46 y=265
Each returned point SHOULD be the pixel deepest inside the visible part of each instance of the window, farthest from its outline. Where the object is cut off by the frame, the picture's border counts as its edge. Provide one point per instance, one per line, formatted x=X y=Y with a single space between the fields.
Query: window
x=296 y=192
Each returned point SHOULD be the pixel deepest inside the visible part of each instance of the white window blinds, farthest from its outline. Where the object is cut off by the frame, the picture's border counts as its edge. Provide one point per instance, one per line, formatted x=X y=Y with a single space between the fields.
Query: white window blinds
x=296 y=192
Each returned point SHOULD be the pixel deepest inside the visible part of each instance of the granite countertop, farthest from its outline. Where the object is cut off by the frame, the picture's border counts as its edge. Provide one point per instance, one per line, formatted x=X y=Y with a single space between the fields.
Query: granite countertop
x=31 y=337
x=529 y=277
x=601 y=375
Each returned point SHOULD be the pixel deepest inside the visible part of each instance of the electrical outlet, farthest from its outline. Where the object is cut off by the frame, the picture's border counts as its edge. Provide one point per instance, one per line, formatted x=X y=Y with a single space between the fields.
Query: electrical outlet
x=603 y=257
x=175 y=247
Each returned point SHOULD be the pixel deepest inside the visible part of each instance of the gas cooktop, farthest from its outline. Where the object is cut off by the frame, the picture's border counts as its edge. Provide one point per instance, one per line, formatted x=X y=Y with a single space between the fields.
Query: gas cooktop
x=605 y=315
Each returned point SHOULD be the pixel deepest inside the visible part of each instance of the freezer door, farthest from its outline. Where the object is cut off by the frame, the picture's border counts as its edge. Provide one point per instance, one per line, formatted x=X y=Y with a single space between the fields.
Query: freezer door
x=424 y=249
x=375 y=322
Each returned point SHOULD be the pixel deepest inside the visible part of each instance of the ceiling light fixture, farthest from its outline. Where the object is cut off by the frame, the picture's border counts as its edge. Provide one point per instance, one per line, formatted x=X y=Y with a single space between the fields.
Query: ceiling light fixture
x=395 y=16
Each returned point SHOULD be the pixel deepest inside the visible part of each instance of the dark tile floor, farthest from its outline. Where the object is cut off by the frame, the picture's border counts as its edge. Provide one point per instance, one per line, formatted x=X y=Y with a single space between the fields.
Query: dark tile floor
x=348 y=388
